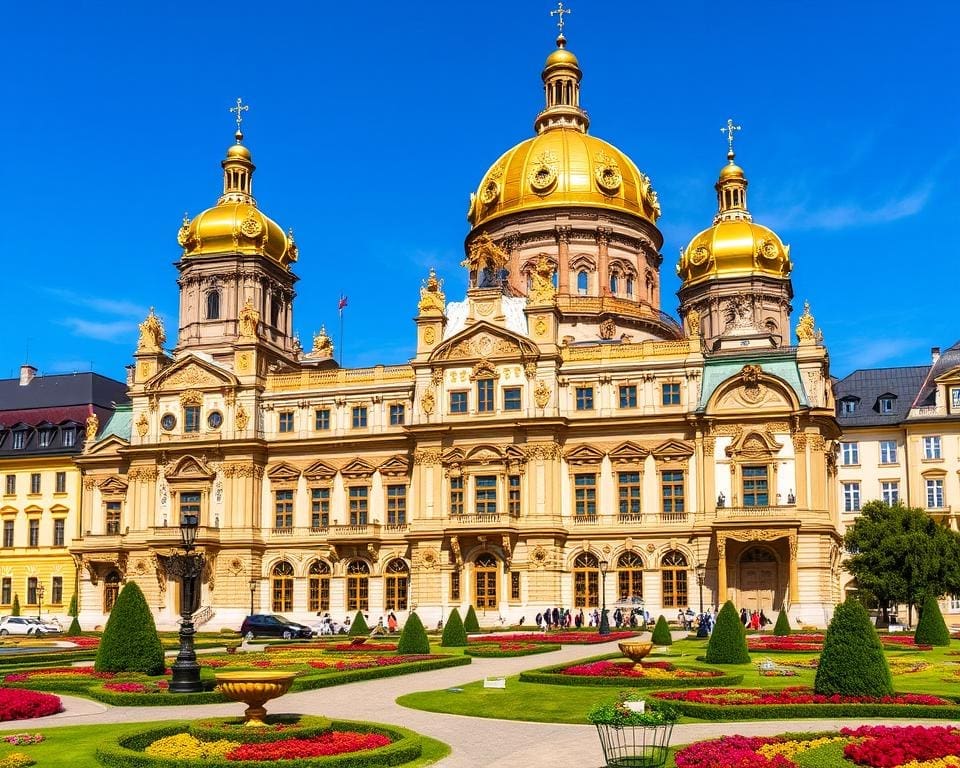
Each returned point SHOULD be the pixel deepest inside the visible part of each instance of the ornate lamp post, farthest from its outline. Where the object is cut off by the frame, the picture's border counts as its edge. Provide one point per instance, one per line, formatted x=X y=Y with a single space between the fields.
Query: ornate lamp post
x=254 y=583
x=701 y=571
x=604 y=621
x=188 y=566
x=39 y=600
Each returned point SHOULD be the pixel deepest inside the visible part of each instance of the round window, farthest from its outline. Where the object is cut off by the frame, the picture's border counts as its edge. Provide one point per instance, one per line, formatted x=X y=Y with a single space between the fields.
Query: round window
x=168 y=421
x=215 y=420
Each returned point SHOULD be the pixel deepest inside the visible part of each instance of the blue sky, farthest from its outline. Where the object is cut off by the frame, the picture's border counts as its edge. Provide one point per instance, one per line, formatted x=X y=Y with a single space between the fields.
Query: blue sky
x=371 y=123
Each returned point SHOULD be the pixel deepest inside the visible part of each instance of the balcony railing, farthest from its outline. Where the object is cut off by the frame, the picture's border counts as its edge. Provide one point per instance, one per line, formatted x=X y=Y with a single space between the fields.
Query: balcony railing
x=354 y=532
x=486 y=519
x=757 y=512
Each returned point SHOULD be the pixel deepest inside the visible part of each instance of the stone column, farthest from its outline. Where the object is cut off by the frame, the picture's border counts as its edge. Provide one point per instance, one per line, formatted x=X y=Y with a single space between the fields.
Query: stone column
x=563 y=260
x=794 y=580
x=603 y=261
x=721 y=568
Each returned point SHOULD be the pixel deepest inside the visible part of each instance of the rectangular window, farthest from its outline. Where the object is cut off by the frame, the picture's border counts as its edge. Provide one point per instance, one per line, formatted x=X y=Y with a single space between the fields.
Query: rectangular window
x=455 y=585
x=61 y=482
x=755 y=489
x=848 y=407
x=397 y=414
x=585 y=495
x=68 y=438
x=458 y=402
x=32 y=590
x=10 y=488
x=513 y=495
x=670 y=394
x=671 y=491
x=19 y=439
x=584 y=397
x=56 y=590
x=6 y=590
x=283 y=509
x=935 y=494
x=112 y=509
x=34 y=532
x=851 y=497
x=515 y=586
x=59 y=532
x=359 y=419
x=628 y=493
x=321 y=419
x=45 y=438
x=931 y=448
x=286 y=421
x=886 y=405
x=485 y=396
x=628 y=396
x=888 y=451
x=8 y=533
x=191 y=418
x=890 y=492
x=485 y=494
x=357 y=504
x=511 y=398
x=396 y=505
x=319 y=508
x=456 y=495
x=189 y=505
x=850 y=453
x=34 y=482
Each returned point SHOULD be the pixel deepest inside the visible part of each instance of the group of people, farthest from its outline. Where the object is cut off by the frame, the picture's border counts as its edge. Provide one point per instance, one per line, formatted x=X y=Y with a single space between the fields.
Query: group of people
x=327 y=625
x=755 y=620
x=558 y=618
x=637 y=617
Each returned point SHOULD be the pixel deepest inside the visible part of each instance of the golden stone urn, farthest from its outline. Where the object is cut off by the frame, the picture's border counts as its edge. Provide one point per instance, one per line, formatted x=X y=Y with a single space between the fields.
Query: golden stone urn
x=635 y=650
x=254 y=688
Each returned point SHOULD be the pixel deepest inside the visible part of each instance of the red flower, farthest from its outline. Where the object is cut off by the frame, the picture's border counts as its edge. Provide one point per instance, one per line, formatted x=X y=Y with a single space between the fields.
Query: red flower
x=886 y=747
x=794 y=695
x=18 y=704
x=330 y=743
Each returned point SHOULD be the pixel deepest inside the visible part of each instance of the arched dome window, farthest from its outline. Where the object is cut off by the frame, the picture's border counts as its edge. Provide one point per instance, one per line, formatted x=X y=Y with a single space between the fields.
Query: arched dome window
x=485 y=581
x=281 y=582
x=582 y=282
x=318 y=586
x=397 y=581
x=358 y=586
x=673 y=568
x=629 y=576
x=586 y=581
x=213 y=305
x=614 y=284
x=630 y=287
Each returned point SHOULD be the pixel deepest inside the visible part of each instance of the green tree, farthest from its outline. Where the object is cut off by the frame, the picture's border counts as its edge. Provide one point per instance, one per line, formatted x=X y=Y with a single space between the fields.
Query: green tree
x=72 y=610
x=661 y=632
x=900 y=554
x=470 y=623
x=782 y=627
x=454 y=635
x=413 y=638
x=130 y=642
x=728 y=643
x=75 y=628
x=15 y=608
x=931 y=628
x=852 y=662
x=358 y=626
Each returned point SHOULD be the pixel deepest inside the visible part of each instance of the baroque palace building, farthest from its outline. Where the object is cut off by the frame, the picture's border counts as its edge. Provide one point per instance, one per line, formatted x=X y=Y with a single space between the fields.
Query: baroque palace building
x=556 y=434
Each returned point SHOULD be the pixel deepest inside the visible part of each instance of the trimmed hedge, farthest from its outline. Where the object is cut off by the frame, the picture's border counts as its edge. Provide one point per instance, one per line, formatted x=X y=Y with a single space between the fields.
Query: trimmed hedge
x=130 y=642
x=454 y=635
x=56 y=659
x=718 y=712
x=661 y=632
x=931 y=629
x=470 y=623
x=494 y=652
x=782 y=627
x=413 y=638
x=358 y=626
x=15 y=608
x=552 y=676
x=75 y=628
x=353 y=675
x=299 y=727
x=119 y=699
x=852 y=662
x=728 y=643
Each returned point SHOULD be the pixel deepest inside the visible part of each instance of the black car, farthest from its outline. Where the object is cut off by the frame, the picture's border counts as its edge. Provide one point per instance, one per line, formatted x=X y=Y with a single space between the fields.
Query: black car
x=272 y=625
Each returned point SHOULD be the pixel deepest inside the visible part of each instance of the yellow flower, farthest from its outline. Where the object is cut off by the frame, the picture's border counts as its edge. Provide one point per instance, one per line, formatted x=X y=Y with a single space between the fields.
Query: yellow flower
x=186 y=747
x=791 y=748
x=16 y=760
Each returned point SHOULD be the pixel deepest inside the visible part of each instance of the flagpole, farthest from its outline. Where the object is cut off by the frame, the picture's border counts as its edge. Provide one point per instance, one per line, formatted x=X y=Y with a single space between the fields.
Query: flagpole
x=341 y=337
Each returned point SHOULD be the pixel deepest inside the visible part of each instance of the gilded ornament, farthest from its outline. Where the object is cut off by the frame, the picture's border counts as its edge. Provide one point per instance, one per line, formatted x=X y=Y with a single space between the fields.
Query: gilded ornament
x=183 y=236
x=191 y=397
x=152 y=335
x=805 y=331
x=543 y=172
x=606 y=171
x=251 y=226
x=432 y=298
x=542 y=291
x=427 y=457
x=490 y=192
x=693 y=323
x=541 y=394
x=322 y=345
x=484 y=308
x=436 y=376
x=767 y=249
x=484 y=369
x=650 y=195
x=699 y=255
x=429 y=335
x=540 y=326
x=191 y=376
x=92 y=427
x=143 y=425
x=530 y=369
x=428 y=402
x=249 y=320
x=607 y=328
x=242 y=418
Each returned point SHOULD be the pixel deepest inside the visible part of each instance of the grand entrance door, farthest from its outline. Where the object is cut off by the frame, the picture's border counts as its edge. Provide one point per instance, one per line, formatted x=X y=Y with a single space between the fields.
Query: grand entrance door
x=759 y=580
x=485 y=579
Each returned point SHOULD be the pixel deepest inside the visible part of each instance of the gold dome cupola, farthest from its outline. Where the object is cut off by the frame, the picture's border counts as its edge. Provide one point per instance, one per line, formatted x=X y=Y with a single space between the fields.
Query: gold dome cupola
x=561 y=85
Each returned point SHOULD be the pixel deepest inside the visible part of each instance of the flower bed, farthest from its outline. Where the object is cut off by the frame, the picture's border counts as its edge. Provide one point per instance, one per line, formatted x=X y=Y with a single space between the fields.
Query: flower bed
x=17 y=704
x=612 y=670
x=899 y=641
x=791 y=643
x=277 y=727
x=657 y=670
x=508 y=649
x=565 y=638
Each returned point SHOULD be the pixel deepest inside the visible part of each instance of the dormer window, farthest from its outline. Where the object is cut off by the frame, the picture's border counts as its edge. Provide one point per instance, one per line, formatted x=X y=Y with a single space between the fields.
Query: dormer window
x=19 y=439
x=885 y=404
x=45 y=438
x=848 y=406
x=68 y=437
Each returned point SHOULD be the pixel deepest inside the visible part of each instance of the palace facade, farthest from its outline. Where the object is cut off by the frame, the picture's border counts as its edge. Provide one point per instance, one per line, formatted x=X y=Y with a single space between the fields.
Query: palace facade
x=558 y=438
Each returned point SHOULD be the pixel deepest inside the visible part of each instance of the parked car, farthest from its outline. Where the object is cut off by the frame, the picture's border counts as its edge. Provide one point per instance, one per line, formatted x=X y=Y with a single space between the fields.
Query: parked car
x=272 y=625
x=17 y=625
x=46 y=626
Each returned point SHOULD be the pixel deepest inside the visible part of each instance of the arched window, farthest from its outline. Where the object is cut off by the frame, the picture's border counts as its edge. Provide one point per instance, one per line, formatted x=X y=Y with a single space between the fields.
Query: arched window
x=614 y=284
x=630 y=287
x=397 y=581
x=275 y=306
x=629 y=576
x=318 y=586
x=111 y=588
x=582 y=282
x=673 y=568
x=485 y=581
x=213 y=305
x=586 y=581
x=281 y=582
x=358 y=583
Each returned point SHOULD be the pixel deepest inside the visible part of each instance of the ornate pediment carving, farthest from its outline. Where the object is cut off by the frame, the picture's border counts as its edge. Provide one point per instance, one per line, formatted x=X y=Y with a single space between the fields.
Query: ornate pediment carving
x=484 y=454
x=629 y=453
x=754 y=445
x=283 y=472
x=189 y=374
x=113 y=485
x=673 y=450
x=485 y=341
x=319 y=470
x=189 y=468
x=584 y=454
x=358 y=468
x=395 y=466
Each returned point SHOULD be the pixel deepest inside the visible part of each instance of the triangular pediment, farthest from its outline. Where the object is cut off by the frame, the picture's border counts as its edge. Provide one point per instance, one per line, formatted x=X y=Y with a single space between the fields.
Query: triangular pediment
x=358 y=468
x=628 y=453
x=485 y=341
x=395 y=466
x=59 y=509
x=108 y=446
x=319 y=470
x=673 y=450
x=484 y=454
x=191 y=372
x=283 y=472
x=951 y=376
x=190 y=468
x=113 y=485
x=454 y=456
x=584 y=454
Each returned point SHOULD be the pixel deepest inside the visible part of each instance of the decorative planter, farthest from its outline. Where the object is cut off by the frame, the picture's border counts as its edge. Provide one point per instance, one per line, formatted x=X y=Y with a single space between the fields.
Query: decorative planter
x=254 y=689
x=635 y=746
x=635 y=651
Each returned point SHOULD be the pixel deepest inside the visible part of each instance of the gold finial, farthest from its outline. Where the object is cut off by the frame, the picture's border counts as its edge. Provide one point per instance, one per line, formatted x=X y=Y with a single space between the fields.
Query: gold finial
x=186 y=218
x=560 y=13
x=729 y=130
x=240 y=109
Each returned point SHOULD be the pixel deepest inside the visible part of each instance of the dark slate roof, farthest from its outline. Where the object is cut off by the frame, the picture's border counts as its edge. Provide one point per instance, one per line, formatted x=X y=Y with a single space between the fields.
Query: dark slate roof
x=61 y=390
x=949 y=360
x=869 y=385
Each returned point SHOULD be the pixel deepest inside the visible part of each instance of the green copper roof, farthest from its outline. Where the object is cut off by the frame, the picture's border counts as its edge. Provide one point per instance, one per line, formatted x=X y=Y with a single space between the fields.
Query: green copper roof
x=781 y=365
x=120 y=424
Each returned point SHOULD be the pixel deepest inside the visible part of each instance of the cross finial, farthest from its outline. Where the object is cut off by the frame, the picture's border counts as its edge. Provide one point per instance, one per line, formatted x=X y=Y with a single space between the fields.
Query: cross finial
x=559 y=13
x=240 y=109
x=729 y=129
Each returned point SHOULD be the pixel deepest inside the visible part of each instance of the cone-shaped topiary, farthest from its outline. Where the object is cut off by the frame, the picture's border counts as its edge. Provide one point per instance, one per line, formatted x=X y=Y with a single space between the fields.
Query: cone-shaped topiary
x=15 y=608
x=75 y=628
x=661 y=633
x=782 y=627
x=470 y=623
x=852 y=662
x=358 y=626
x=728 y=643
x=72 y=610
x=130 y=642
x=413 y=638
x=454 y=635
x=931 y=629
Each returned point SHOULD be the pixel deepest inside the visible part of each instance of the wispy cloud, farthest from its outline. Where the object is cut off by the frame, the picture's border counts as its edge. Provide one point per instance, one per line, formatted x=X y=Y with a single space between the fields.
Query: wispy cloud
x=862 y=352
x=101 y=304
x=116 y=331
x=850 y=215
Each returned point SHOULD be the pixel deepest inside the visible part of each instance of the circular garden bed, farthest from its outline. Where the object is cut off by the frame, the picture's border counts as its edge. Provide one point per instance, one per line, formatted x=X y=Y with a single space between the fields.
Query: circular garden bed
x=494 y=649
x=613 y=670
x=18 y=704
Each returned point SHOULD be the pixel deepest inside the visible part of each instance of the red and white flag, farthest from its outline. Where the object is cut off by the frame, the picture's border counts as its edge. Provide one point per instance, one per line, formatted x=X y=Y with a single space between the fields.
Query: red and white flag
x=342 y=303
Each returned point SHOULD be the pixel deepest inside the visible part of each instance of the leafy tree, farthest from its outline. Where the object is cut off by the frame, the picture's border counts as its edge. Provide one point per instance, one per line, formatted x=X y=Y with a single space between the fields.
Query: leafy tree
x=130 y=642
x=728 y=643
x=782 y=627
x=661 y=633
x=358 y=626
x=931 y=628
x=852 y=662
x=470 y=623
x=454 y=635
x=413 y=638
x=72 y=610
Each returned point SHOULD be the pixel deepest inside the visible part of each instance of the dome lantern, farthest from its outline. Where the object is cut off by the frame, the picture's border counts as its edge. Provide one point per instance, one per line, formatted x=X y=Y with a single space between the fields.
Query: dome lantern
x=561 y=86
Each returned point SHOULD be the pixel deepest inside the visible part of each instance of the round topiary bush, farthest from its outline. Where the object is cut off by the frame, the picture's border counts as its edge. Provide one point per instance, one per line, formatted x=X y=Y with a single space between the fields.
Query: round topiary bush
x=358 y=626
x=470 y=623
x=454 y=635
x=130 y=642
x=728 y=644
x=852 y=662
x=413 y=638
x=931 y=629
x=782 y=627
x=661 y=633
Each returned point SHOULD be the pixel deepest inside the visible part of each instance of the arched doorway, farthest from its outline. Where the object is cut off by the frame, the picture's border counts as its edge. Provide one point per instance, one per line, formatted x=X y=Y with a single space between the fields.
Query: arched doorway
x=282 y=586
x=358 y=583
x=759 y=580
x=318 y=586
x=397 y=580
x=111 y=588
x=586 y=581
x=485 y=582
x=629 y=577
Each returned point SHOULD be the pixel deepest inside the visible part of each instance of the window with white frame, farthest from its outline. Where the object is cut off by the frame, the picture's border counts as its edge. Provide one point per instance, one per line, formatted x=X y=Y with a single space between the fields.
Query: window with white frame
x=888 y=451
x=890 y=492
x=885 y=404
x=850 y=453
x=851 y=497
x=931 y=447
x=954 y=603
x=934 y=493
x=848 y=407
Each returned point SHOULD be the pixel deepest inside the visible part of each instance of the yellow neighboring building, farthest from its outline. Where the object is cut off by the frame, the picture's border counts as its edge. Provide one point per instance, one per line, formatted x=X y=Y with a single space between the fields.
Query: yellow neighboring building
x=557 y=439
x=44 y=423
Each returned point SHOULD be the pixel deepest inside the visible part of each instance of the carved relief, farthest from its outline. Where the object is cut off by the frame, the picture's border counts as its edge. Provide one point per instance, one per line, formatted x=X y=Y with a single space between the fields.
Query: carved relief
x=542 y=291
x=485 y=370
x=455 y=549
x=428 y=402
x=143 y=425
x=541 y=394
x=249 y=320
x=540 y=327
x=607 y=328
x=429 y=335
x=805 y=332
x=427 y=456
x=546 y=451
x=693 y=323
x=191 y=397
x=530 y=370
x=538 y=557
x=242 y=418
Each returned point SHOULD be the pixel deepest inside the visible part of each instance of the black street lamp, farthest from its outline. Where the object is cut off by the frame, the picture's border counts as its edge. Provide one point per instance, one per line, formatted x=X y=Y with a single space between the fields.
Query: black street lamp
x=701 y=571
x=188 y=566
x=604 y=621
x=39 y=600
x=254 y=583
